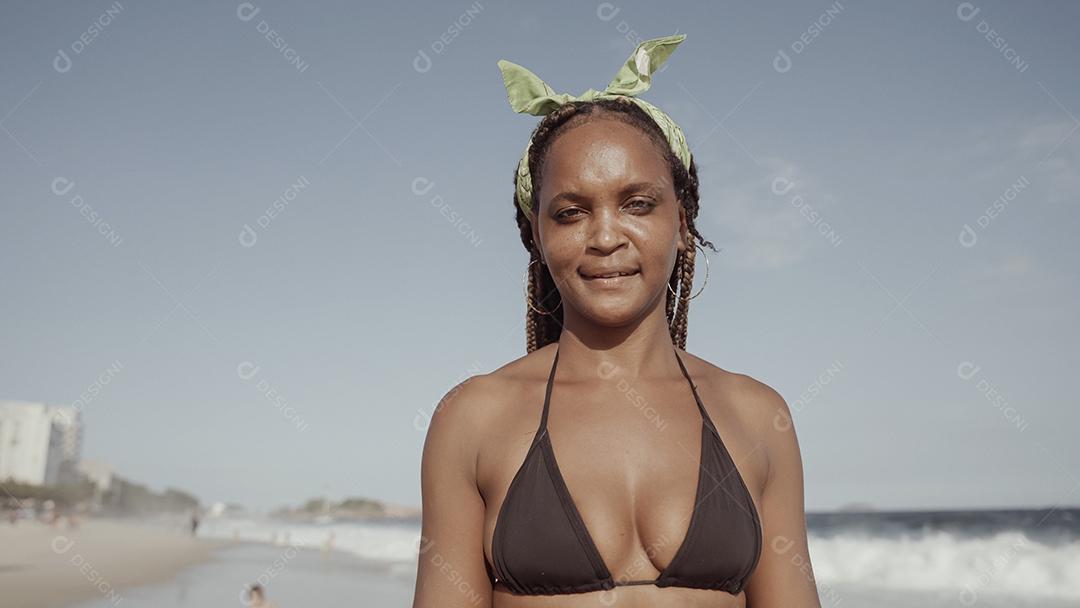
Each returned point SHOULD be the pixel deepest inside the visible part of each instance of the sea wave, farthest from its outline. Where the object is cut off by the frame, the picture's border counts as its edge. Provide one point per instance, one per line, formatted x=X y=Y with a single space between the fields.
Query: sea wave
x=1008 y=562
x=1005 y=563
x=392 y=542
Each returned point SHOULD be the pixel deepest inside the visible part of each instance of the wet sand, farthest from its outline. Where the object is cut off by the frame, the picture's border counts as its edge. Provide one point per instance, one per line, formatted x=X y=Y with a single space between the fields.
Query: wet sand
x=46 y=567
x=293 y=577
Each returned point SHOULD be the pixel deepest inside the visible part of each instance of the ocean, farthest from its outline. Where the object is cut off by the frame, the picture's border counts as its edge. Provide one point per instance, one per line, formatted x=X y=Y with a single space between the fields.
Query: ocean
x=908 y=559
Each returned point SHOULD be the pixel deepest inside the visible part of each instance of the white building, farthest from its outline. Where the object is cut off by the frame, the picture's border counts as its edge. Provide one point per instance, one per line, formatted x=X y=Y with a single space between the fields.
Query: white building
x=99 y=473
x=39 y=444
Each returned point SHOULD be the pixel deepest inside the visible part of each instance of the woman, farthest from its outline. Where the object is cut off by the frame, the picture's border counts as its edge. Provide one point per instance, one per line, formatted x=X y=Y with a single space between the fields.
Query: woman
x=609 y=466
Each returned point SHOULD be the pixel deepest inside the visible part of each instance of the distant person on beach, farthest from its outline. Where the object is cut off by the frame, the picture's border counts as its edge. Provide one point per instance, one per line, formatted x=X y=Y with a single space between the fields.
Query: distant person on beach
x=194 y=522
x=257 y=597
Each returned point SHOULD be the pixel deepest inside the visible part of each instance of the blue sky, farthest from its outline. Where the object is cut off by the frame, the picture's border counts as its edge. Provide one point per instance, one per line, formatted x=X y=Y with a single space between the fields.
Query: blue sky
x=843 y=148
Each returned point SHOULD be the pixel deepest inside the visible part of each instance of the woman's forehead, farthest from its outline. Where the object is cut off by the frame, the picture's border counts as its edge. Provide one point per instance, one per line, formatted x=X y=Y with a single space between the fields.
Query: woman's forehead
x=603 y=154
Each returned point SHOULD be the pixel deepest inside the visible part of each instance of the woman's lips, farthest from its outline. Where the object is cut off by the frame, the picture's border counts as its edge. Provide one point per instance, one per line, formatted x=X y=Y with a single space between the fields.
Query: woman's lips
x=615 y=281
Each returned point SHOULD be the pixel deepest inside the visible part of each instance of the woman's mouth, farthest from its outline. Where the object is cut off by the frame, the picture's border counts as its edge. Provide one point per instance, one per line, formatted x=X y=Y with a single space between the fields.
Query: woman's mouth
x=610 y=279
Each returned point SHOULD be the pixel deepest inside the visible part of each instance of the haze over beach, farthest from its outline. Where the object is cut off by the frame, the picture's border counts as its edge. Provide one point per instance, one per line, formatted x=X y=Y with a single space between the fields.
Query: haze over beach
x=247 y=247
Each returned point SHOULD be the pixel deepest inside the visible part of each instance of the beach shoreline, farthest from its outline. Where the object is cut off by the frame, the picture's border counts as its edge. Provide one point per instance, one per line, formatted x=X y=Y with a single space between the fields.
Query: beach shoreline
x=292 y=576
x=42 y=566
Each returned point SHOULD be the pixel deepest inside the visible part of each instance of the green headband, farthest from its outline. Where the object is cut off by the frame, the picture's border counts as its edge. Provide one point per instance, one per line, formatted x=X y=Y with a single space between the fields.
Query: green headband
x=531 y=95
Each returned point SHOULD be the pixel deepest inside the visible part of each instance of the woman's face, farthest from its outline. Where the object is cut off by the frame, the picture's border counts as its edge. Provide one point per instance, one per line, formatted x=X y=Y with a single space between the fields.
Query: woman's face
x=607 y=203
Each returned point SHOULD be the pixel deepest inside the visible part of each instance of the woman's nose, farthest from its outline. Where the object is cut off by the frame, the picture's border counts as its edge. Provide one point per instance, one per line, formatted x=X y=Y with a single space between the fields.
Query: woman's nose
x=605 y=230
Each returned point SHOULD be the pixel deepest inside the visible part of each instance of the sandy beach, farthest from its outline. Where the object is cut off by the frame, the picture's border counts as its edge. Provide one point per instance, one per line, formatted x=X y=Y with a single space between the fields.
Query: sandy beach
x=46 y=567
x=294 y=577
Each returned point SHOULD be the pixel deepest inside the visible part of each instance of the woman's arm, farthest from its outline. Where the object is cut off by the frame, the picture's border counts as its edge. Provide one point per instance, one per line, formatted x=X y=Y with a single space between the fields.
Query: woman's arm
x=450 y=569
x=784 y=577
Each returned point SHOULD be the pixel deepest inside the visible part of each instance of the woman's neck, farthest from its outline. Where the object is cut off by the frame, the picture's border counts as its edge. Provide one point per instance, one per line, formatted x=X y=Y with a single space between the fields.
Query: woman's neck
x=639 y=350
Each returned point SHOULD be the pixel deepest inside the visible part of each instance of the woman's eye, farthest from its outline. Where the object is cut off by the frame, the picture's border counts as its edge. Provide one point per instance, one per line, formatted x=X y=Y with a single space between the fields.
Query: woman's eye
x=642 y=204
x=639 y=204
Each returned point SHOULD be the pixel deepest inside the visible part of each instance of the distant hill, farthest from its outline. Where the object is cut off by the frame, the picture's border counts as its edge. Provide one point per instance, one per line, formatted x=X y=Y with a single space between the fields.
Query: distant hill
x=322 y=509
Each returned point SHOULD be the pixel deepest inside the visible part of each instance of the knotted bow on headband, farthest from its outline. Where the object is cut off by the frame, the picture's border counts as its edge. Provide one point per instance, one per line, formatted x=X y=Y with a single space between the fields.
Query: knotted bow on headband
x=531 y=95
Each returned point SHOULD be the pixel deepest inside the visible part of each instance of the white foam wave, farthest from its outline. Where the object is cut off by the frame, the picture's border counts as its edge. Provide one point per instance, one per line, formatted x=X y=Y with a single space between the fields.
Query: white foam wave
x=382 y=542
x=1007 y=563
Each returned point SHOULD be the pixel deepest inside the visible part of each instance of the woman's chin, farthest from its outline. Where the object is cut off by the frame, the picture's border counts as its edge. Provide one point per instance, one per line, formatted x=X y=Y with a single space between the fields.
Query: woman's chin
x=613 y=314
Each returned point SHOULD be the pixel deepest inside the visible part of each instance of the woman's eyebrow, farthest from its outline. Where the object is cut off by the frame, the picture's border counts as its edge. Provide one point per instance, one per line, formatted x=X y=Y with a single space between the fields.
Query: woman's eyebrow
x=649 y=187
x=576 y=197
x=568 y=195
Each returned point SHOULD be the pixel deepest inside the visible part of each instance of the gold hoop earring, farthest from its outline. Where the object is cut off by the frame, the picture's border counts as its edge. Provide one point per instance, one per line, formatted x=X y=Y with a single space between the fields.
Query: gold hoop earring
x=528 y=300
x=703 y=283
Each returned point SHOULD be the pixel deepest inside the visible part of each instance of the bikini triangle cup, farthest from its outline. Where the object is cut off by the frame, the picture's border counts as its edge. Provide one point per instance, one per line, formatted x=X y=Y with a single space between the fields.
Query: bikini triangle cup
x=541 y=545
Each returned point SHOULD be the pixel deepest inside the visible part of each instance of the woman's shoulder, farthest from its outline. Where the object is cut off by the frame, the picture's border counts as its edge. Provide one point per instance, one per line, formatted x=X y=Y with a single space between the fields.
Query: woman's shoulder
x=742 y=395
x=510 y=376
x=526 y=368
x=478 y=401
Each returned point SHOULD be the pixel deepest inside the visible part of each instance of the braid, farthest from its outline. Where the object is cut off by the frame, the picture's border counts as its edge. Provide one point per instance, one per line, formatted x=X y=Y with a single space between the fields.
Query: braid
x=530 y=322
x=542 y=329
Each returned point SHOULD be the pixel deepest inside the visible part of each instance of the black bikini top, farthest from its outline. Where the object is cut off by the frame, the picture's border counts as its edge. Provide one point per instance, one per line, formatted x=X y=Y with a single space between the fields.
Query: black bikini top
x=541 y=545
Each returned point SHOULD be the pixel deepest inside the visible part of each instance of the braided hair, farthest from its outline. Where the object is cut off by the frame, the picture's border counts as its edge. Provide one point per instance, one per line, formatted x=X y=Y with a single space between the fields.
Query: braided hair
x=542 y=329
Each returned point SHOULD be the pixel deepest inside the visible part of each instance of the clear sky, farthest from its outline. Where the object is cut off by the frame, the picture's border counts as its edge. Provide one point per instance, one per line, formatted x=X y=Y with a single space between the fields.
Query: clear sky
x=843 y=148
